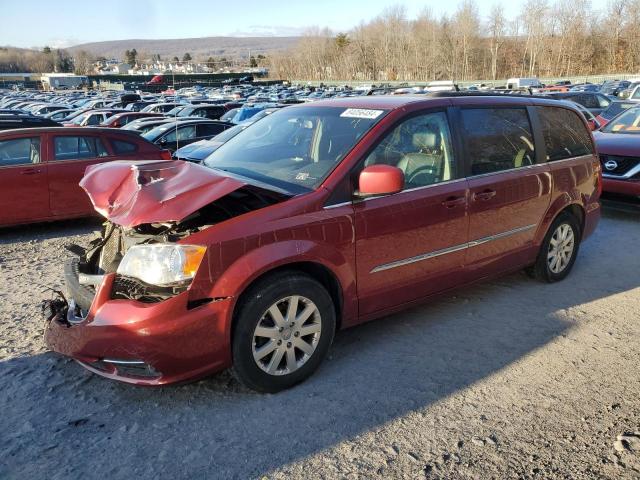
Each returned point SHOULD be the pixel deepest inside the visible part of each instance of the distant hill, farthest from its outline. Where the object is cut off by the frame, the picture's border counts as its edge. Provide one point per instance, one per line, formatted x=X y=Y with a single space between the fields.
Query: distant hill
x=199 y=48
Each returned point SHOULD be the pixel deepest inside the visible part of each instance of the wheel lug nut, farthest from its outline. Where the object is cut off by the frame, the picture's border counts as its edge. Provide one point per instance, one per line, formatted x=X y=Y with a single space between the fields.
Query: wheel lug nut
x=279 y=342
x=297 y=334
x=288 y=344
x=292 y=324
x=280 y=329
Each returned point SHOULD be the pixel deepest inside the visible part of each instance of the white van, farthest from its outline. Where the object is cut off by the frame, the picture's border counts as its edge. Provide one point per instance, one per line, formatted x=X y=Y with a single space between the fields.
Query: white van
x=518 y=83
x=441 y=86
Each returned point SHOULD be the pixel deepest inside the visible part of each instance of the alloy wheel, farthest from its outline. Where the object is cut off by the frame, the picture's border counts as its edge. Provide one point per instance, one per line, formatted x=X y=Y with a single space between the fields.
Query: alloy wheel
x=287 y=335
x=561 y=248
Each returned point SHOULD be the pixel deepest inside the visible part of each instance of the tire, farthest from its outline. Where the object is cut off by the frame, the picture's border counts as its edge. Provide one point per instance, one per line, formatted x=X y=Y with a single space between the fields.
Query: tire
x=544 y=269
x=287 y=364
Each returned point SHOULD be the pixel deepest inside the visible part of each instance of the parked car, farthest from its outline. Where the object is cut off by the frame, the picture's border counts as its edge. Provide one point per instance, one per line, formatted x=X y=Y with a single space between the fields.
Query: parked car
x=91 y=118
x=60 y=115
x=618 y=144
x=213 y=112
x=198 y=151
x=9 y=122
x=121 y=119
x=615 y=108
x=614 y=87
x=319 y=217
x=585 y=87
x=40 y=169
x=174 y=135
x=594 y=101
x=160 y=107
x=143 y=125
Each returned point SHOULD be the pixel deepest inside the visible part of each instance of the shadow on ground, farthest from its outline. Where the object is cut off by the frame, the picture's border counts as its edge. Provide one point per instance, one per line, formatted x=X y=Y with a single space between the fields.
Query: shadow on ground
x=60 y=421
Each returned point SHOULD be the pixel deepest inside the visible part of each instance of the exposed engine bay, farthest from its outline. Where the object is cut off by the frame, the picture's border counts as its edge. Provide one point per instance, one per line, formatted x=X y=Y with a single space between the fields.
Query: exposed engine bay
x=104 y=254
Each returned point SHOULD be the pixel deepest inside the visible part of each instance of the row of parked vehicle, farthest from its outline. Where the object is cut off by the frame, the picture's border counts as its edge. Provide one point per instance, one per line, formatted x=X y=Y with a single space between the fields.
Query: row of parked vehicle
x=191 y=124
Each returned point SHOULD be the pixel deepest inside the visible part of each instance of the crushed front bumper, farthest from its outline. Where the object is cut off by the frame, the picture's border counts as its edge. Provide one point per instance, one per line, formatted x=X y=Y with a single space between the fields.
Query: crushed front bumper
x=145 y=343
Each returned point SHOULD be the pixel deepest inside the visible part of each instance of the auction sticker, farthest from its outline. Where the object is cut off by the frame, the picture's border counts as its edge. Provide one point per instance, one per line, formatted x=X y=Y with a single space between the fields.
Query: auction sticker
x=361 y=113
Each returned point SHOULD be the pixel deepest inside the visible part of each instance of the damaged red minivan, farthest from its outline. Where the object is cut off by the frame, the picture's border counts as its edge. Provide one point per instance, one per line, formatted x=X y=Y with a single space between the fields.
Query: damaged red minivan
x=319 y=217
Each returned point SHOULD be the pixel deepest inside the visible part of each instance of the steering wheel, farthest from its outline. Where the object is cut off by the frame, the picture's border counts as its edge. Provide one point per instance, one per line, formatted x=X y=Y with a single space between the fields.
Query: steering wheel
x=425 y=170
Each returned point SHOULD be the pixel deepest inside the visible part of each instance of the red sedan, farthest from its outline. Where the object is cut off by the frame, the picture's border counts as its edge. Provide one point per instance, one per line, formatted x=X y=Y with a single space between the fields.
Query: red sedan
x=40 y=169
x=618 y=144
x=319 y=217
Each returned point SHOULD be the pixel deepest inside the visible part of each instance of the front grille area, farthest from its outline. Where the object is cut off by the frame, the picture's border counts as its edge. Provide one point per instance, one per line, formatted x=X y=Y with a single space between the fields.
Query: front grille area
x=133 y=289
x=624 y=164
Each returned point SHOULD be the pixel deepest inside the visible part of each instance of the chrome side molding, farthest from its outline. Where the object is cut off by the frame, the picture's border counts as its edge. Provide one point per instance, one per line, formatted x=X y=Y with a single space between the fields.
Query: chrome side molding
x=455 y=248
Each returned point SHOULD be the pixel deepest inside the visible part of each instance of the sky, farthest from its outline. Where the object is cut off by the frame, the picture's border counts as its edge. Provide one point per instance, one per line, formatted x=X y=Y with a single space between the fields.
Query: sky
x=63 y=23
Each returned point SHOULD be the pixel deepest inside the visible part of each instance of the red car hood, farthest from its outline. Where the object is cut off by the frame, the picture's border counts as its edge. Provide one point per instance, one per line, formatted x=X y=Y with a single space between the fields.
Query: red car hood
x=625 y=144
x=156 y=191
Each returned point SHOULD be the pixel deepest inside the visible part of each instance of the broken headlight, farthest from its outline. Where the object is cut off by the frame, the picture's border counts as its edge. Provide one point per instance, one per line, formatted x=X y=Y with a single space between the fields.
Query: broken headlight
x=162 y=263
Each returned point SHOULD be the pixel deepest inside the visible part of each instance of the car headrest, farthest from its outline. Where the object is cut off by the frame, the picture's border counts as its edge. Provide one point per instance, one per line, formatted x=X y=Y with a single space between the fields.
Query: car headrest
x=425 y=140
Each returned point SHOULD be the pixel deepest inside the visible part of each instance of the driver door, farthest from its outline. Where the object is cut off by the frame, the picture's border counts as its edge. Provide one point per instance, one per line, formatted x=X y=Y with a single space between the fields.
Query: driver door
x=412 y=244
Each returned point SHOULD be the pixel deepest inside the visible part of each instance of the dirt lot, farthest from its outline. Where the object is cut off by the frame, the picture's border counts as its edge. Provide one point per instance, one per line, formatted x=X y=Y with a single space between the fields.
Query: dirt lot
x=507 y=379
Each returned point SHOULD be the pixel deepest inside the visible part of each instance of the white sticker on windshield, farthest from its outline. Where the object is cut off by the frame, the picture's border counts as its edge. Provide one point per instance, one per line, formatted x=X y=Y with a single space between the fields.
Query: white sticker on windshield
x=361 y=113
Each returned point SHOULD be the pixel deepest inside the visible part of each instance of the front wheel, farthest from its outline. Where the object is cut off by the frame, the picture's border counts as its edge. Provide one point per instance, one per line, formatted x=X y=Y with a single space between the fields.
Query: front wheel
x=558 y=251
x=283 y=331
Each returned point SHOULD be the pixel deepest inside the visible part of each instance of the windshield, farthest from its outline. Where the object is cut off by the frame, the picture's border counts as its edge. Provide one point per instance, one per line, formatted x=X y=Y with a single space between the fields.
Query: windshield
x=627 y=122
x=296 y=148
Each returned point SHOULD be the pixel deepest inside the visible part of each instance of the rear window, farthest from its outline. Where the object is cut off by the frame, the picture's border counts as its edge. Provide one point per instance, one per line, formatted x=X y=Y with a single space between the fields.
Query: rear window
x=497 y=139
x=19 y=151
x=74 y=148
x=122 y=147
x=565 y=134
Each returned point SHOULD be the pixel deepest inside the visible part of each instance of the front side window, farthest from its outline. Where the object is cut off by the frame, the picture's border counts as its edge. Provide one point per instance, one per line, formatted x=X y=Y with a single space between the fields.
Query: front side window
x=19 y=151
x=565 y=134
x=421 y=148
x=296 y=148
x=497 y=139
x=74 y=148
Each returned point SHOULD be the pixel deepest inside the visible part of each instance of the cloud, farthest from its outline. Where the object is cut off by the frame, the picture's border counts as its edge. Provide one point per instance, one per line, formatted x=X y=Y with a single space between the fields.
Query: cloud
x=62 y=42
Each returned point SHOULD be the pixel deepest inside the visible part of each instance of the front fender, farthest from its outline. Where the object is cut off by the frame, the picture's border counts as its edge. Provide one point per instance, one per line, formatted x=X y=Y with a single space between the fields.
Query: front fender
x=255 y=263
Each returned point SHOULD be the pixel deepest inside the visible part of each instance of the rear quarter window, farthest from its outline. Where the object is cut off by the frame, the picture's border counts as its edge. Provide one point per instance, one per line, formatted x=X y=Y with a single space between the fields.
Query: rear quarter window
x=497 y=139
x=565 y=134
x=123 y=147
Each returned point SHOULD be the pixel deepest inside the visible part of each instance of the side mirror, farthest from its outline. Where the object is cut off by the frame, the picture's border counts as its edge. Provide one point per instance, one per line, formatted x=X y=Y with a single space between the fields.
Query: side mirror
x=380 y=180
x=593 y=124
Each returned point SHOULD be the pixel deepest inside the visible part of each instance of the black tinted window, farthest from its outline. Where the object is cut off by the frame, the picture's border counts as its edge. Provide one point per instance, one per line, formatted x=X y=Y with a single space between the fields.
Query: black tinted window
x=20 y=151
x=73 y=148
x=565 y=135
x=497 y=139
x=207 y=130
x=120 y=146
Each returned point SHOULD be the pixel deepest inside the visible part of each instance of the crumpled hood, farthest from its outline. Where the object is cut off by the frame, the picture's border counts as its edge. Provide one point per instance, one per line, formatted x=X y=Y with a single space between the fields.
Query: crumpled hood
x=132 y=193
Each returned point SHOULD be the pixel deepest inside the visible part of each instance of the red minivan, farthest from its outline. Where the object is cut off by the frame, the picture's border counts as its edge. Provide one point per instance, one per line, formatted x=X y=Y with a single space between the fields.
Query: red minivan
x=40 y=169
x=319 y=217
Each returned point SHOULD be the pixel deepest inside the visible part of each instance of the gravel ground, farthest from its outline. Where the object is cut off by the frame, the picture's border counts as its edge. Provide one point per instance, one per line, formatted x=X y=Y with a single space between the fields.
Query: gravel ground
x=507 y=379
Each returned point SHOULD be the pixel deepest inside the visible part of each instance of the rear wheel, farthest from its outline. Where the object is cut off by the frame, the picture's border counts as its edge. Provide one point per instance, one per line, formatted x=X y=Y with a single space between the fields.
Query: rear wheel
x=283 y=330
x=558 y=251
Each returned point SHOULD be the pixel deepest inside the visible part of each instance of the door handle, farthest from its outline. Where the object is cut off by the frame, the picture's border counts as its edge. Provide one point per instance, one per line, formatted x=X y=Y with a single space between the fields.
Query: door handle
x=484 y=195
x=454 y=202
x=30 y=171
